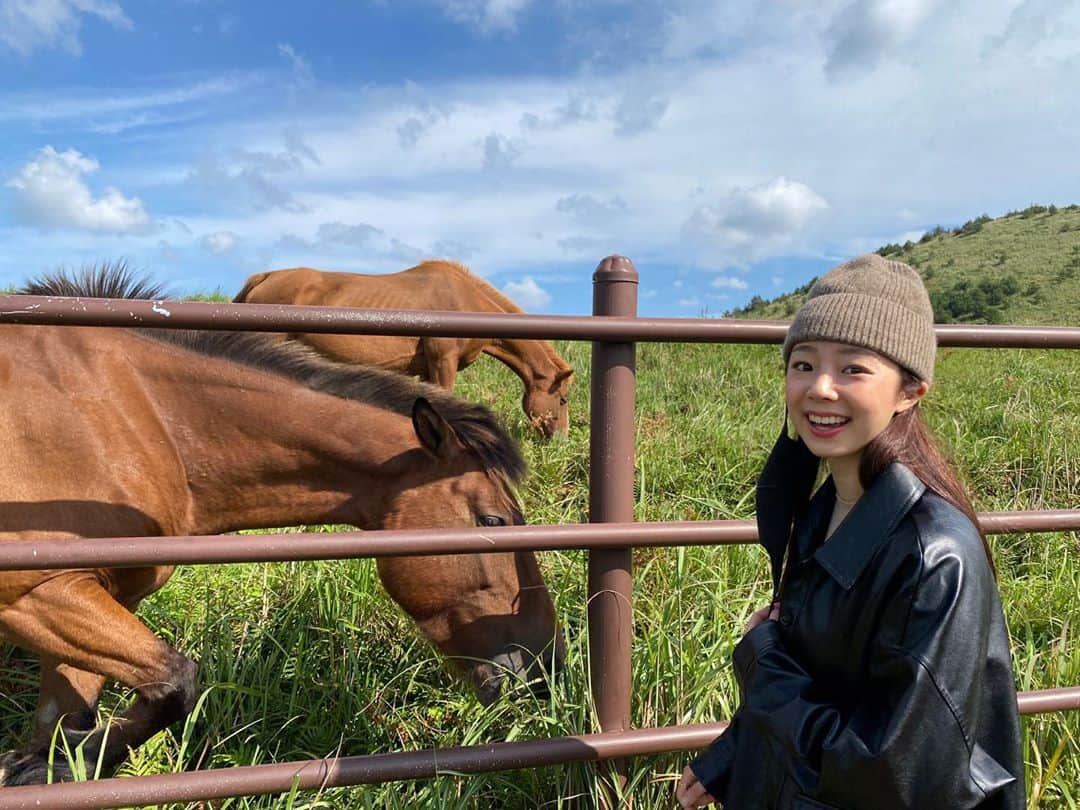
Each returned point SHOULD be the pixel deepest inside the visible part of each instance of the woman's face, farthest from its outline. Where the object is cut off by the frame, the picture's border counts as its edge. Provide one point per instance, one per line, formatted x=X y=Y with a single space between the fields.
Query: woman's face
x=839 y=396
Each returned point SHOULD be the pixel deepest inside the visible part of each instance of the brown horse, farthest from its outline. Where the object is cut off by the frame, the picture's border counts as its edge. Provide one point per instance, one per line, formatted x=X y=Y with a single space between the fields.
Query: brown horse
x=115 y=432
x=438 y=285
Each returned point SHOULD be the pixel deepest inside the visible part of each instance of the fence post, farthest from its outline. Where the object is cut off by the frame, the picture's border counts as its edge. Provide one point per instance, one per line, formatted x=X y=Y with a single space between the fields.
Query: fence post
x=611 y=499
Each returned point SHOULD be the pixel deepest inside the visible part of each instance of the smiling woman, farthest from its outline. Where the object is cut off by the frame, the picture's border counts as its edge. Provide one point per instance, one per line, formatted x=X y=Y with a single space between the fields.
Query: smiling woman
x=879 y=675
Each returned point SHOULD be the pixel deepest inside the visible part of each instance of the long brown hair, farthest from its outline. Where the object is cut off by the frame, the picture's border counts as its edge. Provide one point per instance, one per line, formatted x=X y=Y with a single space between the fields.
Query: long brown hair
x=908 y=440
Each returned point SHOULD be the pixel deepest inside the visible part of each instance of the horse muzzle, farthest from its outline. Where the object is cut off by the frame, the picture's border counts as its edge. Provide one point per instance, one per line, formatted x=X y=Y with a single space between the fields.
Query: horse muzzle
x=517 y=668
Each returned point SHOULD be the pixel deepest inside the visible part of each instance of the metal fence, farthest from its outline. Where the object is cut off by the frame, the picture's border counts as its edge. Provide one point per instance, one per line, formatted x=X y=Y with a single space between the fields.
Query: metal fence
x=614 y=329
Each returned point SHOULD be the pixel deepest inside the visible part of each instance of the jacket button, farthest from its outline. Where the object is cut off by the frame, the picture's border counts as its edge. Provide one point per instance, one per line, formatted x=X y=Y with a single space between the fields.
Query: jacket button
x=785 y=619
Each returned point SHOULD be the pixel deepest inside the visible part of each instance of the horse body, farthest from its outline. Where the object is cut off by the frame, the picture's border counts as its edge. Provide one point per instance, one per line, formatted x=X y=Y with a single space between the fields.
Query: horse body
x=118 y=433
x=435 y=285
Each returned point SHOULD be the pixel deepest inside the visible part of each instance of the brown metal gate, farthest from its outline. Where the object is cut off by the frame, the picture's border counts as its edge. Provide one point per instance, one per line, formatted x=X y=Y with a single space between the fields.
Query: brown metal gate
x=614 y=330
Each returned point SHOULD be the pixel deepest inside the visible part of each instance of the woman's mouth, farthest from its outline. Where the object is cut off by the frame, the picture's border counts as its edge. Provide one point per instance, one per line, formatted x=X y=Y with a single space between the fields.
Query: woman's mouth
x=825 y=425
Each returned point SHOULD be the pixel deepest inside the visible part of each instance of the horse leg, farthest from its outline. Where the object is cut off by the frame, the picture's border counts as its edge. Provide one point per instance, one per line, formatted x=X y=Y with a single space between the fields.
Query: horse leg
x=442 y=361
x=69 y=695
x=74 y=620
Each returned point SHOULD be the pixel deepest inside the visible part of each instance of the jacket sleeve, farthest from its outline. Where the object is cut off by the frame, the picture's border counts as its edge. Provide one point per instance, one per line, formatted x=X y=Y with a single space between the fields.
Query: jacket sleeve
x=713 y=765
x=905 y=739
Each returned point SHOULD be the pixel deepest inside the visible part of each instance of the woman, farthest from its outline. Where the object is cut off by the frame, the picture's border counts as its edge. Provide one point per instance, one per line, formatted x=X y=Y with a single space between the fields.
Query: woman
x=879 y=677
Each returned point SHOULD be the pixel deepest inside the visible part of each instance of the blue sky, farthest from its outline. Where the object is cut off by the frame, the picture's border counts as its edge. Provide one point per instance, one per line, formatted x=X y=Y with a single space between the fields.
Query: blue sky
x=730 y=149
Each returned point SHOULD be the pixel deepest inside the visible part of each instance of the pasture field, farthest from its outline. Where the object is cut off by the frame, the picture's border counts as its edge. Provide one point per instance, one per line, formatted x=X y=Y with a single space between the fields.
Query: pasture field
x=310 y=659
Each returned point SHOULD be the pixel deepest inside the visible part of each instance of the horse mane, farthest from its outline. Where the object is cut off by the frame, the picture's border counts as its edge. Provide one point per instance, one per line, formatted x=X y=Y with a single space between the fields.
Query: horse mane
x=475 y=425
x=501 y=299
x=105 y=280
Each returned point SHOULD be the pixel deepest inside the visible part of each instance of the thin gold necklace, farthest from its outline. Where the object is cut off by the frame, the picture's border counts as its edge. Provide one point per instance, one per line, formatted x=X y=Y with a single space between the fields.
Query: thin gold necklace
x=844 y=501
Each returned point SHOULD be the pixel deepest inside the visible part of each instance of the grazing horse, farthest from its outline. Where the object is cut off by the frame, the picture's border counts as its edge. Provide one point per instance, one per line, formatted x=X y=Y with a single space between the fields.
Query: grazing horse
x=438 y=285
x=124 y=432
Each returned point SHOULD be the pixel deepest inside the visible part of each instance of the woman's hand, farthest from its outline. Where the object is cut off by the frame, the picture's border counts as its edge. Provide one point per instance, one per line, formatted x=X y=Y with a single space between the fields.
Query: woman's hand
x=769 y=612
x=690 y=792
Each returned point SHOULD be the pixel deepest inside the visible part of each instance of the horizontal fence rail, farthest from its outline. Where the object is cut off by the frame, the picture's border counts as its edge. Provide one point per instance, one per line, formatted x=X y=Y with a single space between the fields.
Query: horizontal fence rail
x=167 y=314
x=126 y=552
x=316 y=774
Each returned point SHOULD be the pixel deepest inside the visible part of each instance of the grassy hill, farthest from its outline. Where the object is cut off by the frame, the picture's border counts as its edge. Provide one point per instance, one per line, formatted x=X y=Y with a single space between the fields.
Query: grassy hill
x=1022 y=268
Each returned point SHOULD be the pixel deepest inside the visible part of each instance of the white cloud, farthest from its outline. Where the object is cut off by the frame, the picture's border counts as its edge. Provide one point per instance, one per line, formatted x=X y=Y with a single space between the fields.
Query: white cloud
x=499 y=152
x=867 y=31
x=50 y=192
x=486 y=15
x=527 y=294
x=754 y=222
x=587 y=209
x=300 y=66
x=26 y=25
x=729 y=283
x=639 y=110
x=115 y=110
x=220 y=242
x=245 y=175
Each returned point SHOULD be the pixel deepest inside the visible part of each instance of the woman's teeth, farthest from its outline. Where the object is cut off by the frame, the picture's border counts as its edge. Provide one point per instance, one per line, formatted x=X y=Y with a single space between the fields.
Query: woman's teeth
x=827 y=421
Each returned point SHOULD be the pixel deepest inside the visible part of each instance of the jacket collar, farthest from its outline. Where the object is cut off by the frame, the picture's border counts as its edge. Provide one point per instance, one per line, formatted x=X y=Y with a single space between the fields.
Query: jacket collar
x=869 y=524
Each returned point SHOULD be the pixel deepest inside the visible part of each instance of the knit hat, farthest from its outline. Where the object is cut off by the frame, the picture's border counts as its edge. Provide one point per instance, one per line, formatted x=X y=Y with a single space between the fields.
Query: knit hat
x=875 y=303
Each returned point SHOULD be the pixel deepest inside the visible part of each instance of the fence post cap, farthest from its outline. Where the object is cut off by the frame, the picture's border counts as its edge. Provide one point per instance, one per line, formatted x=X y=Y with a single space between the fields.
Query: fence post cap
x=615 y=268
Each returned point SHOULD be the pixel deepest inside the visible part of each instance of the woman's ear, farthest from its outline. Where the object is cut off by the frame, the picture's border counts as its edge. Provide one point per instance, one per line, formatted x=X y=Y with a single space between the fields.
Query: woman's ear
x=909 y=397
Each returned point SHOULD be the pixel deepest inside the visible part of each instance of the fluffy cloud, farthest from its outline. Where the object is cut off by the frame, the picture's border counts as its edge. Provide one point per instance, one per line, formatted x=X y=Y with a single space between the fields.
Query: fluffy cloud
x=50 y=192
x=220 y=242
x=527 y=294
x=246 y=174
x=337 y=239
x=26 y=25
x=488 y=16
x=729 y=283
x=867 y=31
x=499 y=152
x=589 y=210
x=756 y=221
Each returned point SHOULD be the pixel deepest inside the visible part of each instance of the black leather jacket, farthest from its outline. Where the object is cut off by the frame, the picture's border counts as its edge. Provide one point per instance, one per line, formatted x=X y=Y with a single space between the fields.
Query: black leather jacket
x=886 y=683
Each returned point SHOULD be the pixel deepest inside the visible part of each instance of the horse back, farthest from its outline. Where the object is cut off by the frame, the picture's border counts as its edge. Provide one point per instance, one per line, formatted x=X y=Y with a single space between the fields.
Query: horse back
x=436 y=284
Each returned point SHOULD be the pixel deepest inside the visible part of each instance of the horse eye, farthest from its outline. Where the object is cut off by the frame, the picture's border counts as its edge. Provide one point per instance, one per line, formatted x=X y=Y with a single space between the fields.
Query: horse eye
x=490 y=520
x=562 y=400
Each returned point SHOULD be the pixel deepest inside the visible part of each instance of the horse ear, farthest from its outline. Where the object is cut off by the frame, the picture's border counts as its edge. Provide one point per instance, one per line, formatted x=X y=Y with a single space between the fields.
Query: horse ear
x=563 y=375
x=435 y=433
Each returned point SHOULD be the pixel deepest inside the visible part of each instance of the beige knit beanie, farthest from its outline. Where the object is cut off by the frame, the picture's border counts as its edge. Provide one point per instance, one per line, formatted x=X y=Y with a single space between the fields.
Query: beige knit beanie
x=875 y=303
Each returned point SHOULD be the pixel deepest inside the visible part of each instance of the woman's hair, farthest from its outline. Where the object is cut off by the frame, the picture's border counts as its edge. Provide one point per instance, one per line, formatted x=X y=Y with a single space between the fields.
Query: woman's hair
x=908 y=440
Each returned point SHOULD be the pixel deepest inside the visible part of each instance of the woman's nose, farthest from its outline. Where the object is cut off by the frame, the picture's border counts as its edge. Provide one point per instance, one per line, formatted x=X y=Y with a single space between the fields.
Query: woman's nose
x=822 y=387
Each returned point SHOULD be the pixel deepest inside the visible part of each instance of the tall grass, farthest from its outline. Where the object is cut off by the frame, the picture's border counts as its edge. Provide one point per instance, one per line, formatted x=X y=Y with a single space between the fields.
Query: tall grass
x=309 y=659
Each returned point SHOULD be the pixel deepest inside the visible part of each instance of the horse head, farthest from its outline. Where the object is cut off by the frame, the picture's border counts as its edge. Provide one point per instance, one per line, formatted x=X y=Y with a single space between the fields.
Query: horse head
x=546 y=403
x=491 y=614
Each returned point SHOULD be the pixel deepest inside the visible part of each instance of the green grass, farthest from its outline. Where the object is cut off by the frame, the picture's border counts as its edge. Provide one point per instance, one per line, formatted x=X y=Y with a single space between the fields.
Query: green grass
x=308 y=659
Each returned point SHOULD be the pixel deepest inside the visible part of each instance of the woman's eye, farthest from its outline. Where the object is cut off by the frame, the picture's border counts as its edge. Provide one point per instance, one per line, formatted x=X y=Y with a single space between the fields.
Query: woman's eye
x=800 y=365
x=490 y=520
x=854 y=370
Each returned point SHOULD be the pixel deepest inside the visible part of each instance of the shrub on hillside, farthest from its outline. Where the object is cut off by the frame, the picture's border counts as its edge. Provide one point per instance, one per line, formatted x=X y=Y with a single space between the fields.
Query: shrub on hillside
x=965 y=302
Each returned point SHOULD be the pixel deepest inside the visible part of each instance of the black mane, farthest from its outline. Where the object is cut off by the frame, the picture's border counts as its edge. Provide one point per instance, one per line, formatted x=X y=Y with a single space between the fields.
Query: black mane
x=97 y=281
x=475 y=425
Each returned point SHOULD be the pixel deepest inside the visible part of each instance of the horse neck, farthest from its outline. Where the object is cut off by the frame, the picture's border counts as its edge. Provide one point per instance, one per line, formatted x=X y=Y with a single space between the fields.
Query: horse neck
x=534 y=361
x=267 y=452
